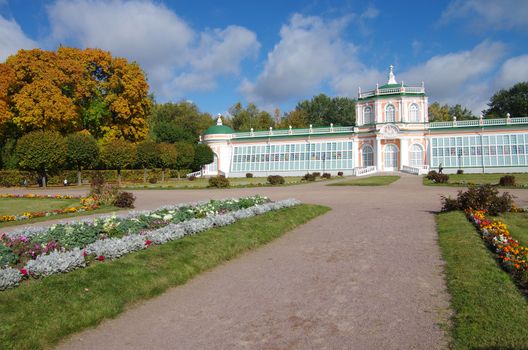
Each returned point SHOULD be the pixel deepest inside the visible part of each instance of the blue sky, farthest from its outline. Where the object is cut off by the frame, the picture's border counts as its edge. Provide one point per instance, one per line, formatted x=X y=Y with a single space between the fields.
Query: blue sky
x=277 y=52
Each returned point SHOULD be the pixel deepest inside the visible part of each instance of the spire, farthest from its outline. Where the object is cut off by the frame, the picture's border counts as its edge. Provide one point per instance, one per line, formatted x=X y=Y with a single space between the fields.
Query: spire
x=392 y=78
x=219 y=120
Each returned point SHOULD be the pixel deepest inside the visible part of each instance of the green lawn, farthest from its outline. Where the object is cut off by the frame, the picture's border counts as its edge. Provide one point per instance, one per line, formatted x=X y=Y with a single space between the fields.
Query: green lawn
x=490 y=311
x=368 y=181
x=17 y=206
x=40 y=313
x=200 y=183
x=477 y=179
x=517 y=225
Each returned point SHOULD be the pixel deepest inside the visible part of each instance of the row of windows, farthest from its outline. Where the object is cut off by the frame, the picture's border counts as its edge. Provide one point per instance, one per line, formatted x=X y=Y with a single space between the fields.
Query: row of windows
x=390 y=114
x=486 y=150
x=291 y=157
x=416 y=155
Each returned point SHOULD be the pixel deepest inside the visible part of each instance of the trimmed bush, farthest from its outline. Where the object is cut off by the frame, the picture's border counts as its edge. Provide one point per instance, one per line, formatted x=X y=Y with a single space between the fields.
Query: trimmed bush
x=249 y=175
x=460 y=172
x=124 y=200
x=339 y=173
x=508 y=180
x=192 y=178
x=326 y=175
x=437 y=177
x=218 y=182
x=483 y=197
x=316 y=174
x=308 y=177
x=275 y=180
x=153 y=180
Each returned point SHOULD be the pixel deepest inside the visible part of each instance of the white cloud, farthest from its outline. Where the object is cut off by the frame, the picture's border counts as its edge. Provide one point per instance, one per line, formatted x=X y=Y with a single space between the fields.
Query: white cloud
x=514 y=70
x=176 y=58
x=497 y=14
x=309 y=52
x=12 y=38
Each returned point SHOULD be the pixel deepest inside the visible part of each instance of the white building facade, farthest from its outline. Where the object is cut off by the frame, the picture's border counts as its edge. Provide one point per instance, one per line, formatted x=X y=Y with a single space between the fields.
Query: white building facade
x=392 y=133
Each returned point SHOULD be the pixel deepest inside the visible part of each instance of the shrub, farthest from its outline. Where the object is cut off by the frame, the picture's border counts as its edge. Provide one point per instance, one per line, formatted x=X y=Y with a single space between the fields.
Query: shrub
x=275 y=180
x=153 y=180
x=249 y=175
x=437 y=177
x=316 y=174
x=219 y=182
x=308 y=177
x=105 y=193
x=192 y=178
x=339 y=173
x=326 y=176
x=508 y=180
x=124 y=200
x=460 y=172
x=483 y=197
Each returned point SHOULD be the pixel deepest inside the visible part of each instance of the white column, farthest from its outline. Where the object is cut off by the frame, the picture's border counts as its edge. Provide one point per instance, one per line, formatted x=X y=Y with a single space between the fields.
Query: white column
x=404 y=152
x=378 y=163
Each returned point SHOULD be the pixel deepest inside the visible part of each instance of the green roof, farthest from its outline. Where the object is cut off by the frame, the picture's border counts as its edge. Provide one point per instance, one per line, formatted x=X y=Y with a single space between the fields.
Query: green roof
x=388 y=86
x=219 y=129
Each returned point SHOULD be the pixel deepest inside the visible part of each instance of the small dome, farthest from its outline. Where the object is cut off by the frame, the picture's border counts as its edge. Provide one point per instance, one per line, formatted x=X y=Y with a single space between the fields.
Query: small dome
x=219 y=129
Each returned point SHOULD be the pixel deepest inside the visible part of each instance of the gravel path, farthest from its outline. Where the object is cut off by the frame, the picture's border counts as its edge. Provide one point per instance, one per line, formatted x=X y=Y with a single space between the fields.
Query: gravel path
x=367 y=275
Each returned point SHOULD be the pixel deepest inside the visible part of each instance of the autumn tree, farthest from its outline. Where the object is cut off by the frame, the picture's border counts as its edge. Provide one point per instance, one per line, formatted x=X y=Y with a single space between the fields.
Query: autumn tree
x=118 y=154
x=42 y=151
x=167 y=157
x=439 y=113
x=513 y=101
x=83 y=152
x=147 y=156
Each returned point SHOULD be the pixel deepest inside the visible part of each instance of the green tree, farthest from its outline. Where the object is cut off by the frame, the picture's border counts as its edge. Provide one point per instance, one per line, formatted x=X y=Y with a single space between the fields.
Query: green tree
x=513 y=101
x=118 y=154
x=185 y=156
x=296 y=118
x=42 y=151
x=203 y=155
x=243 y=119
x=438 y=113
x=83 y=152
x=322 y=110
x=147 y=156
x=167 y=157
x=461 y=113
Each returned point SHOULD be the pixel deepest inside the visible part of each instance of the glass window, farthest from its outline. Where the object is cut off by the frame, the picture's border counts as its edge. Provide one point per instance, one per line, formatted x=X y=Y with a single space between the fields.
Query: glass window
x=414 y=117
x=368 y=116
x=416 y=155
x=367 y=156
x=390 y=114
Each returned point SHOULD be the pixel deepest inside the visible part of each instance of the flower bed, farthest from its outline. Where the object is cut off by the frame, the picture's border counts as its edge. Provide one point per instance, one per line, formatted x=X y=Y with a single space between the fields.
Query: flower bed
x=495 y=233
x=39 y=252
x=87 y=204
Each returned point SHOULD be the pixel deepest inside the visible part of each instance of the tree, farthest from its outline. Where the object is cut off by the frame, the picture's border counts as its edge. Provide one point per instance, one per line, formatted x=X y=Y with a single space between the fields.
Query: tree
x=296 y=119
x=203 y=155
x=167 y=157
x=461 y=113
x=147 y=156
x=243 y=119
x=71 y=90
x=438 y=113
x=41 y=151
x=513 y=101
x=83 y=152
x=322 y=110
x=185 y=156
x=118 y=154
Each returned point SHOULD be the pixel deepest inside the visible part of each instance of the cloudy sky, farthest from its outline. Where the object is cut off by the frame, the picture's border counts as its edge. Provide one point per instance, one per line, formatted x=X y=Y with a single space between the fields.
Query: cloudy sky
x=277 y=52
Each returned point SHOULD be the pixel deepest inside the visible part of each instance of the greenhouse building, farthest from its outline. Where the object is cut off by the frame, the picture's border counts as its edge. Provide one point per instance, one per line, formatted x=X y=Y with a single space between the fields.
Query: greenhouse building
x=392 y=133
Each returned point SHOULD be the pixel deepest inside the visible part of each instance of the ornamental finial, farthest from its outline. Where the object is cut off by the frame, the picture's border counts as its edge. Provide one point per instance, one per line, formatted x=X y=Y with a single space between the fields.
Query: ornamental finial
x=219 y=119
x=392 y=78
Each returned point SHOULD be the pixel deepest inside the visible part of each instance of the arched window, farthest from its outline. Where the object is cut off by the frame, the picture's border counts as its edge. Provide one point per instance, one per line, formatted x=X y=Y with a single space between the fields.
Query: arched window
x=367 y=113
x=391 y=157
x=367 y=156
x=414 y=116
x=416 y=153
x=390 y=114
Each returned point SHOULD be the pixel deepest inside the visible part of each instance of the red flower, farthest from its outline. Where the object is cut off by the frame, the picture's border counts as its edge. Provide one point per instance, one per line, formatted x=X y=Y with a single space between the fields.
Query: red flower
x=148 y=242
x=23 y=272
x=84 y=253
x=101 y=258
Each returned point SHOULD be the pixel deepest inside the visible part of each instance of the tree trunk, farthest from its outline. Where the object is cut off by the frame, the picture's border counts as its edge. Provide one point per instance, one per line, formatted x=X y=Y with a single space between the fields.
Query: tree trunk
x=118 y=177
x=79 y=177
x=44 y=180
x=144 y=175
x=163 y=175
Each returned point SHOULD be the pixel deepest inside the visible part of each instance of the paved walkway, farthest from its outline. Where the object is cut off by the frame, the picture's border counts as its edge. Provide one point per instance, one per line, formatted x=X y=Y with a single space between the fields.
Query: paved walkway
x=367 y=275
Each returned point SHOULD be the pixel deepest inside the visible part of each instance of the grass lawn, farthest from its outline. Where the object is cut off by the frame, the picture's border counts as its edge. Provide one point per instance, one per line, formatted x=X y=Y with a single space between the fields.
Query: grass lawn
x=203 y=183
x=40 y=313
x=478 y=179
x=490 y=311
x=368 y=181
x=517 y=225
x=17 y=206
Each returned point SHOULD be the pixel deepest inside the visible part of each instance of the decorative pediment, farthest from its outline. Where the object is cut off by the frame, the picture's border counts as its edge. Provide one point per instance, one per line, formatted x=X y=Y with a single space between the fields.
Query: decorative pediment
x=389 y=131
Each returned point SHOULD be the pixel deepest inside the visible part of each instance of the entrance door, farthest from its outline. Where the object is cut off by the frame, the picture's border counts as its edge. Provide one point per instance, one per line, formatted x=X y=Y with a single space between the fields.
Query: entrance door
x=390 y=156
